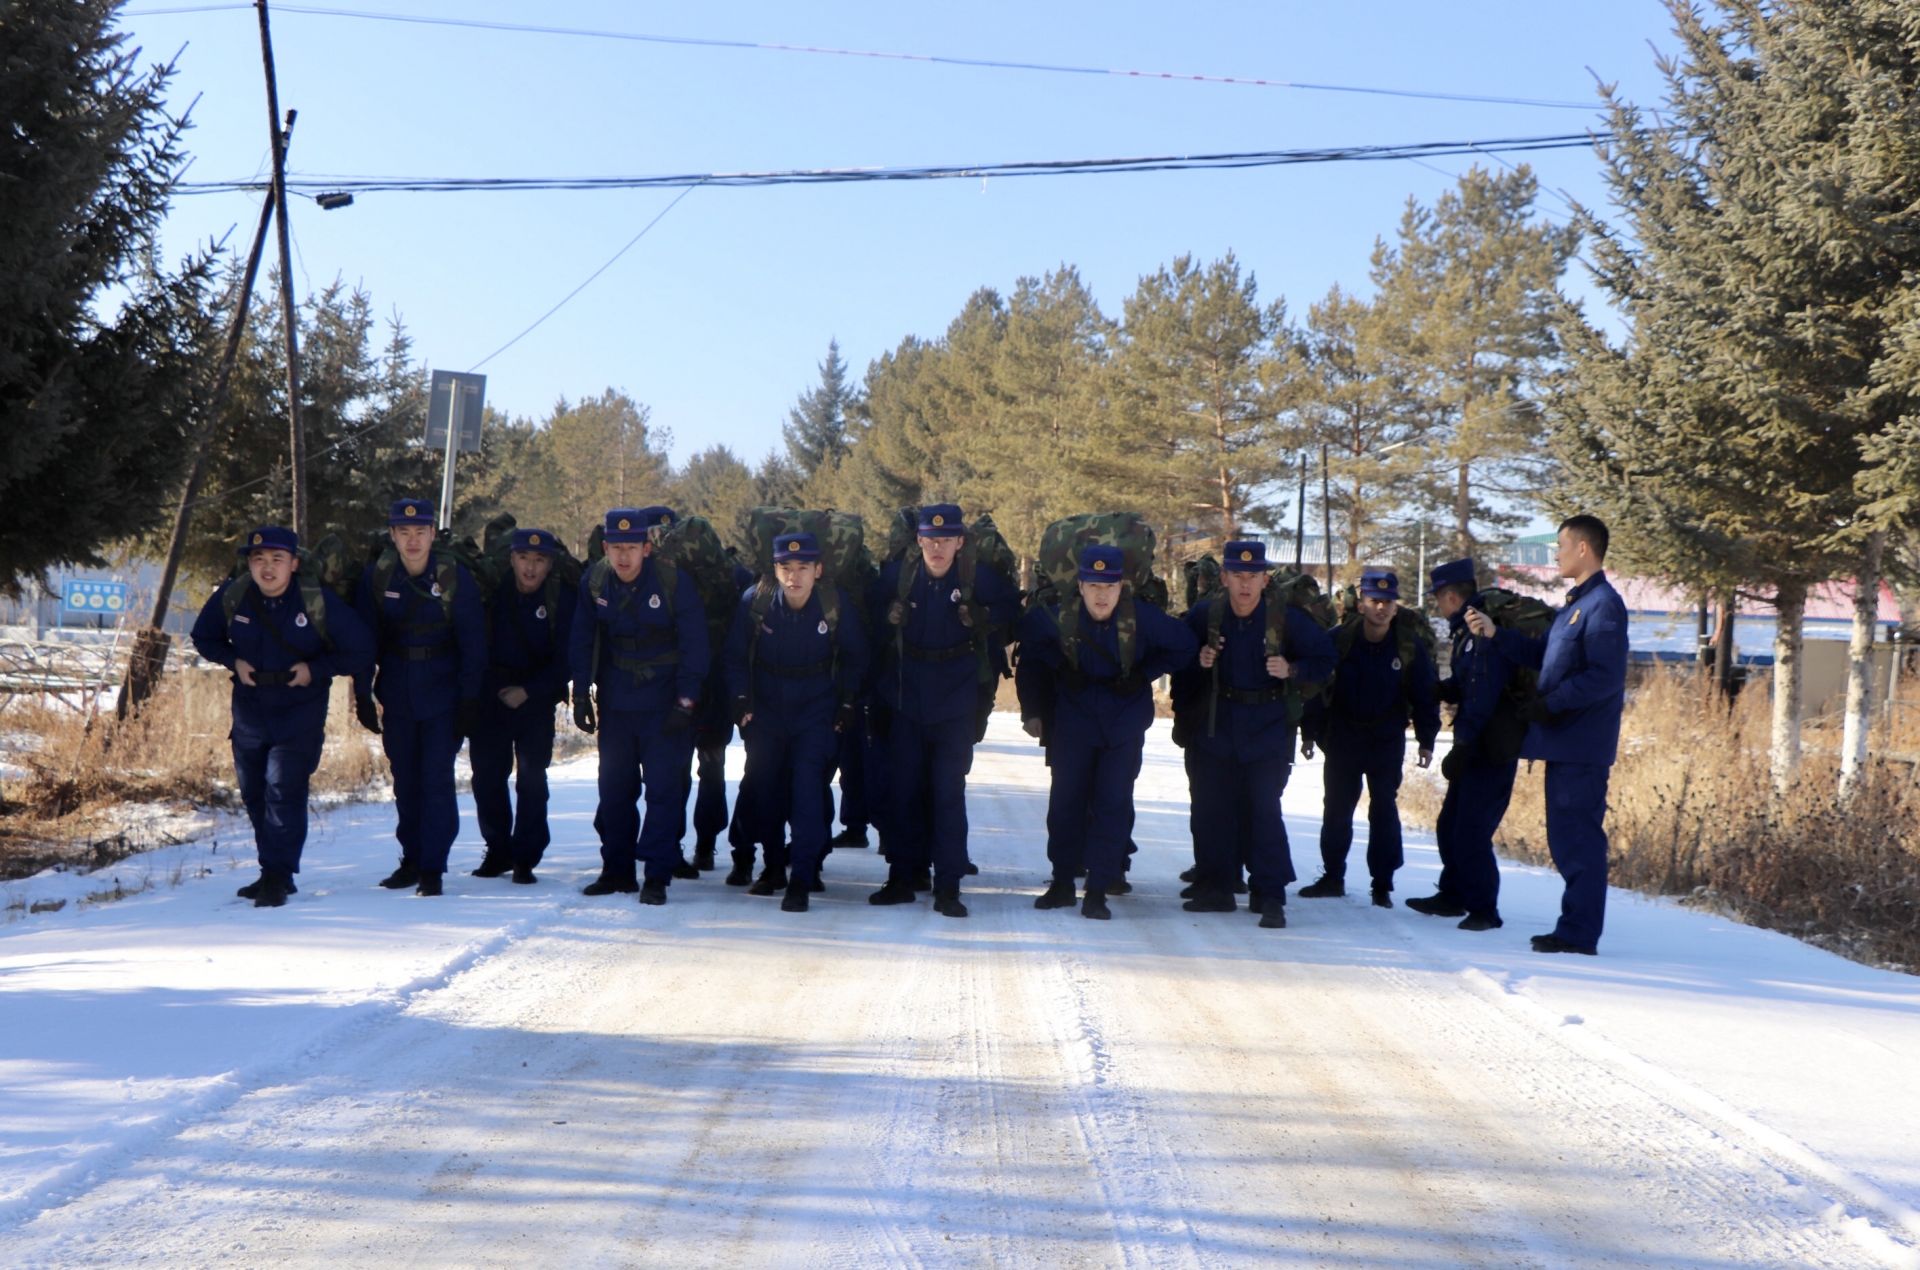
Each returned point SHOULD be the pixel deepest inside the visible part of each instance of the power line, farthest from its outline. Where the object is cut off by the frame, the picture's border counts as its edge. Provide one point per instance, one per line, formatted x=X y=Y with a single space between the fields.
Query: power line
x=310 y=184
x=936 y=59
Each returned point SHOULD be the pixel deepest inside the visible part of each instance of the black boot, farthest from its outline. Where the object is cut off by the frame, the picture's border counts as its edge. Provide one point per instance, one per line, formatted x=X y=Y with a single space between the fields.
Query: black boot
x=611 y=884
x=1274 y=915
x=818 y=886
x=654 y=893
x=1239 y=884
x=893 y=893
x=772 y=880
x=1438 y=904
x=849 y=838
x=795 y=900
x=272 y=890
x=1095 y=906
x=973 y=870
x=1059 y=894
x=946 y=902
x=252 y=888
x=401 y=878
x=1555 y=944
x=1255 y=900
x=703 y=856
x=742 y=874
x=1477 y=921
x=523 y=874
x=921 y=879
x=1327 y=888
x=1382 y=896
x=1189 y=891
x=1122 y=887
x=1211 y=902
x=492 y=866
x=1190 y=875
x=686 y=871
x=429 y=884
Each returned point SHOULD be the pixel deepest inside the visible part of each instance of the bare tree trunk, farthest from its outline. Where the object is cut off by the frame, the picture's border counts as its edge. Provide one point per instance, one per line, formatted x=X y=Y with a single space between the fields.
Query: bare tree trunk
x=1866 y=615
x=1725 y=656
x=1787 y=685
x=1463 y=514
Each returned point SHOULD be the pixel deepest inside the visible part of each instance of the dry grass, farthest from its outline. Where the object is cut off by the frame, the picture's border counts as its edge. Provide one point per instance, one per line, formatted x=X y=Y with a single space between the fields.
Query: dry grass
x=81 y=772
x=1691 y=813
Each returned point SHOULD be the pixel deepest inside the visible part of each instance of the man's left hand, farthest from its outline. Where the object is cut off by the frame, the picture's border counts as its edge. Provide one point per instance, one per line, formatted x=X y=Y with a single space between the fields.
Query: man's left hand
x=299 y=675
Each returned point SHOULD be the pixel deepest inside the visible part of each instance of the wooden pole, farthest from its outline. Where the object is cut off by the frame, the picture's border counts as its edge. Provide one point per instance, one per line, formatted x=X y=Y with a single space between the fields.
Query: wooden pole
x=290 y=314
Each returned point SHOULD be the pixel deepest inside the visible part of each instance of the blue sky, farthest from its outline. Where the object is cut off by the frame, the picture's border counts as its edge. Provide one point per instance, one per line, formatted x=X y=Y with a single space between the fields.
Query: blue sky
x=717 y=318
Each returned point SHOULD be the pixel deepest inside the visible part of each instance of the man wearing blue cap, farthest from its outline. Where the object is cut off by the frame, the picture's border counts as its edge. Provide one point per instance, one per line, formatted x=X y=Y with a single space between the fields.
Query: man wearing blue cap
x=1384 y=676
x=639 y=659
x=795 y=660
x=711 y=712
x=939 y=610
x=529 y=623
x=1488 y=727
x=425 y=612
x=284 y=637
x=1099 y=663
x=1575 y=724
x=1238 y=708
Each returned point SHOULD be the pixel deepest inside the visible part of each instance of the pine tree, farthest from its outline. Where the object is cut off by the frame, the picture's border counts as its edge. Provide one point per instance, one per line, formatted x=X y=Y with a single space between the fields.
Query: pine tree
x=716 y=484
x=817 y=428
x=102 y=350
x=607 y=454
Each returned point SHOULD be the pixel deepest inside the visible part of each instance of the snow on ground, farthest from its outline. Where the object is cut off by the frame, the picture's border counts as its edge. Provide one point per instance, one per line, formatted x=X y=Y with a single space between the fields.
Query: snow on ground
x=514 y=1075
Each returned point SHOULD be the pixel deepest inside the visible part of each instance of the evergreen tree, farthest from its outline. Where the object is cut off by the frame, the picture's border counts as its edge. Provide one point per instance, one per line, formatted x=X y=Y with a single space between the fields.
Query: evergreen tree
x=102 y=350
x=817 y=428
x=716 y=484
x=776 y=482
x=607 y=454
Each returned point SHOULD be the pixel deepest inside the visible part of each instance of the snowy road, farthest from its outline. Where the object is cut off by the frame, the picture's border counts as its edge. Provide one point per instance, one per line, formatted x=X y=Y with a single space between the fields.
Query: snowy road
x=519 y=1076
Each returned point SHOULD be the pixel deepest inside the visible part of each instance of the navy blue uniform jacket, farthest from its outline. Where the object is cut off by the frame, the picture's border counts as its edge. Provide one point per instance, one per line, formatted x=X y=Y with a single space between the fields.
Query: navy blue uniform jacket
x=792 y=640
x=1252 y=731
x=1162 y=645
x=1583 y=675
x=1476 y=684
x=1373 y=698
x=635 y=621
x=527 y=641
x=407 y=614
x=272 y=635
x=948 y=685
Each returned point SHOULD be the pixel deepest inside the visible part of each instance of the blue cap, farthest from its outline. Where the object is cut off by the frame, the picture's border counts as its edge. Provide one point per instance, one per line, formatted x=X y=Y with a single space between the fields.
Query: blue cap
x=941 y=520
x=533 y=540
x=1101 y=563
x=270 y=538
x=1244 y=555
x=411 y=511
x=1380 y=584
x=626 y=524
x=657 y=515
x=1452 y=573
x=795 y=547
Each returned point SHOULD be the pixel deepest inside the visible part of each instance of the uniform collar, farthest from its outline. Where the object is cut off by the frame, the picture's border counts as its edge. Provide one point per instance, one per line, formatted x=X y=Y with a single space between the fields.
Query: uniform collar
x=1599 y=576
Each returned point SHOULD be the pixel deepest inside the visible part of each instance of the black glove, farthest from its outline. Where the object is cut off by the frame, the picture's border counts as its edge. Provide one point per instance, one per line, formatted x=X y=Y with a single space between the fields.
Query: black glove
x=466 y=717
x=741 y=708
x=583 y=713
x=847 y=717
x=1537 y=711
x=1454 y=763
x=679 y=719
x=363 y=710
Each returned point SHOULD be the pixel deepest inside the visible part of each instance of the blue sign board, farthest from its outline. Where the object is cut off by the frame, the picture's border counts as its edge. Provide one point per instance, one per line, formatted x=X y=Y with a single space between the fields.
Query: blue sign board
x=96 y=599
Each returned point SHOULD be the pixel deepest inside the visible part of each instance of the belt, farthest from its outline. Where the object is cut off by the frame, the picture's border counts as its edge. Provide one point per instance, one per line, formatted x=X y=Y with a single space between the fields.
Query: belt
x=416 y=652
x=272 y=678
x=917 y=653
x=1254 y=696
x=808 y=671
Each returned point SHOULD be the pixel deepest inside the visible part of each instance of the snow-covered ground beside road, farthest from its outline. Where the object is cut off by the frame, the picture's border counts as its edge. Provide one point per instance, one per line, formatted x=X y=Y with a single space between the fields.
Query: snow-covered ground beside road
x=521 y=1075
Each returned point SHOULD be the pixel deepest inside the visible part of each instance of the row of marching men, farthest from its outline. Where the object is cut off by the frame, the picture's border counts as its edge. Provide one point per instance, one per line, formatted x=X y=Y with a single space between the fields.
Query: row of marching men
x=899 y=702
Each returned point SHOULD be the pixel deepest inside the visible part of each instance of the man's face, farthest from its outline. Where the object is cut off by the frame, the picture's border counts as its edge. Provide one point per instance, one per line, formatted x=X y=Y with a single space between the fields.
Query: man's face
x=627 y=557
x=1101 y=598
x=530 y=569
x=1571 y=554
x=1449 y=601
x=797 y=578
x=939 y=553
x=414 y=543
x=1377 y=613
x=272 y=570
x=1244 y=588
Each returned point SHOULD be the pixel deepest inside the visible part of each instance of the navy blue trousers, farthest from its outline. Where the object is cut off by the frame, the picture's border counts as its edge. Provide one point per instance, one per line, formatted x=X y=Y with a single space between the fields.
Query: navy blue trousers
x=273 y=778
x=1090 y=808
x=852 y=761
x=421 y=753
x=632 y=742
x=1577 y=840
x=785 y=782
x=1236 y=820
x=1379 y=763
x=1474 y=806
x=930 y=762
x=517 y=743
x=710 y=794
x=876 y=773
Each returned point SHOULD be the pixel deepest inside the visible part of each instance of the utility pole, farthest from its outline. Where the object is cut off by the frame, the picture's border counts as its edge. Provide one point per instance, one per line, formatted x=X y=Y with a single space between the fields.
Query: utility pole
x=148 y=657
x=1326 y=515
x=290 y=314
x=1300 y=518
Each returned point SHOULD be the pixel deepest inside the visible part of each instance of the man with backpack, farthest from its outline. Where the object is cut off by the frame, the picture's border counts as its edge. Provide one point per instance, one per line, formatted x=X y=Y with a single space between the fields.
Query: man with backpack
x=939 y=607
x=1489 y=721
x=1575 y=724
x=1237 y=708
x=795 y=659
x=639 y=657
x=1383 y=676
x=1087 y=667
x=284 y=637
x=529 y=624
x=424 y=609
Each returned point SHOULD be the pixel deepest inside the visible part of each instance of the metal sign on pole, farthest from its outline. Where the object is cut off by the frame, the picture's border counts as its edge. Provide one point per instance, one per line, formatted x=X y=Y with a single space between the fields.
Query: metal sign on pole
x=454 y=410
x=94 y=599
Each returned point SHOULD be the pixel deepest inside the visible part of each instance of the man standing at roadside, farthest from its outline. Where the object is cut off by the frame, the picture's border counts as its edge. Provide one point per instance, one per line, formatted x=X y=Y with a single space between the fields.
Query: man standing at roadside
x=1576 y=724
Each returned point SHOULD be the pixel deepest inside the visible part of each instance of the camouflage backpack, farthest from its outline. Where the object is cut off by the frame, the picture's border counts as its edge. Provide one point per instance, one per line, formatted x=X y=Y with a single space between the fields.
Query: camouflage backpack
x=845 y=563
x=1412 y=634
x=1059 y=571
x=1283 y=590
x=1531 y=617
x=903 y=544
x=309 y=580
x=498 y=552
x=1201 y=580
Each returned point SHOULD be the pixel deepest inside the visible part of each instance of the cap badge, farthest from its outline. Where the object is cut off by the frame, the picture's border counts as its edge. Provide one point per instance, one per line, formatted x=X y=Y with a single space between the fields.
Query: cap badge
x=1245 y=556
x=410 y=511
x=533 y=540
x=624 y=523
x=258 y=539
x=1099 y=566
x=939 y=520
